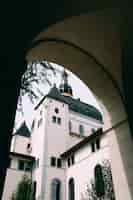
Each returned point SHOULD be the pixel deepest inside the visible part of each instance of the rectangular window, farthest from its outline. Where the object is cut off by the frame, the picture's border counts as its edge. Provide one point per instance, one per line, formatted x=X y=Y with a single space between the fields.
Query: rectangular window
x=68 y=162
x=59 y=163
x=21 y=164
x=59 y=120
x=72 y=159
x=81 y=130
x=28 y=166
x=54 y=119
x=53 y=161
x=93 y=147
x=98 y=143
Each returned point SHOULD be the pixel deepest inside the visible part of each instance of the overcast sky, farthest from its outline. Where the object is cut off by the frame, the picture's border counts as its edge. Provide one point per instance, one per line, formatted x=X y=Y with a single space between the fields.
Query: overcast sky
x=80 y=90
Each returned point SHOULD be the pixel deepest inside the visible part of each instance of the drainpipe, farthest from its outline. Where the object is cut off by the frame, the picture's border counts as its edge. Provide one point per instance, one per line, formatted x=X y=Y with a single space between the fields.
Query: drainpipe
x=44 y=162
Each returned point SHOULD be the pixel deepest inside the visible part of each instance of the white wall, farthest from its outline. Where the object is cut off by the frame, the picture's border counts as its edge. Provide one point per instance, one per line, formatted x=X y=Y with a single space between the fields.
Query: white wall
x=19 y=144
x=52 y=139
x=78 y=119
x=83 y=169
x=14 y=163
x=55 y=173
x=13 y=177
x=57 y=134
x=87 y=122
x=38 y=145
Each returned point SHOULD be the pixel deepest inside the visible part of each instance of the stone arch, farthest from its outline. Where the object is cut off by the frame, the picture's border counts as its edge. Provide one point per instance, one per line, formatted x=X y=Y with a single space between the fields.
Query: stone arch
x=87 y=51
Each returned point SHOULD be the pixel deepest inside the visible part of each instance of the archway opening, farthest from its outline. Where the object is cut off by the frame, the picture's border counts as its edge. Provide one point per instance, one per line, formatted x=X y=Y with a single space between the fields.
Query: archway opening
x=94 y=55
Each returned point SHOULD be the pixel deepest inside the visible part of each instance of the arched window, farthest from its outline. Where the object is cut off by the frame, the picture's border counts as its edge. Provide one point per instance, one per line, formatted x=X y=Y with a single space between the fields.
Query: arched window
x=55 y=190
x=81 y=130
x=71 y=189
x=99 y=181
x=56 y=110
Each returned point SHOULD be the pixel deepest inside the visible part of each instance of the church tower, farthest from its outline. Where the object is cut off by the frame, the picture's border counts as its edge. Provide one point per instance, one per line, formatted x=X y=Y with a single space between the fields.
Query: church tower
x=61 y=122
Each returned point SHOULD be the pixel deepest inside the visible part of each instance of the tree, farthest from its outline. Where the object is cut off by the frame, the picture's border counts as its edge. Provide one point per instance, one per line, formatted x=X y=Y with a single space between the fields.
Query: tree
x=24 y=190
x=37 y=72
x=91 y=194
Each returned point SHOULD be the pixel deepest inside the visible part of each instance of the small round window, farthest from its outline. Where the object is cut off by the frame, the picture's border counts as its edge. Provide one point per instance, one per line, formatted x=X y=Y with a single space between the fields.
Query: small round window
x=56 y=110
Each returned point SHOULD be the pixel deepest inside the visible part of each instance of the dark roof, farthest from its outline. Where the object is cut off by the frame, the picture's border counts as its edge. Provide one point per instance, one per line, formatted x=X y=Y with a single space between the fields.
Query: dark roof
x=81 y=144
x=74 y=104
x=23 y=130
x=24 y=156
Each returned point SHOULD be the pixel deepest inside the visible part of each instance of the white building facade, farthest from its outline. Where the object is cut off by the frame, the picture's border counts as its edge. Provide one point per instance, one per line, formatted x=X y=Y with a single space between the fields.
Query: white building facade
x=62 y=151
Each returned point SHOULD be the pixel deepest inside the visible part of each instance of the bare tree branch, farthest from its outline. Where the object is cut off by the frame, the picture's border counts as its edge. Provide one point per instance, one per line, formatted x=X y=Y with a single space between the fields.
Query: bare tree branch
x=36 y=73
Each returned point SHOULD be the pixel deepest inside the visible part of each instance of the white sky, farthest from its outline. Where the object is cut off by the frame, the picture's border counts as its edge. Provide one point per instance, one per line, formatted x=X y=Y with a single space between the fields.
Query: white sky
x=80 y=90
